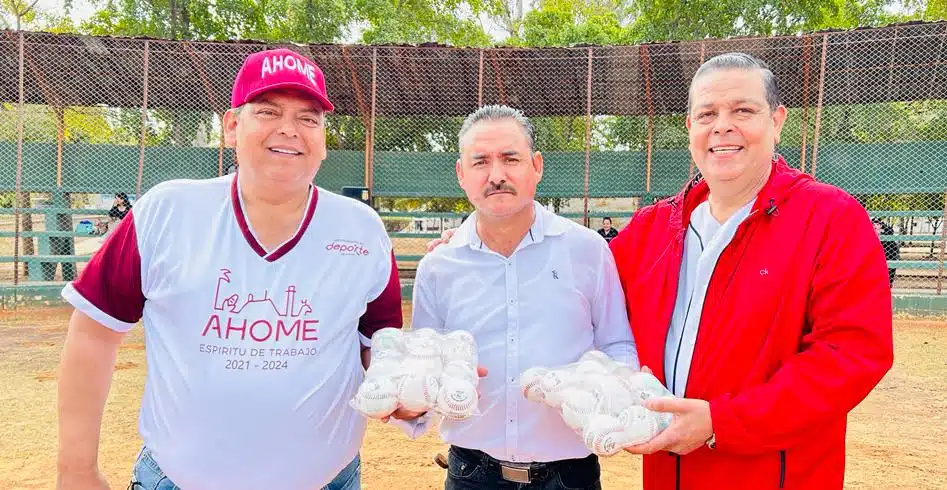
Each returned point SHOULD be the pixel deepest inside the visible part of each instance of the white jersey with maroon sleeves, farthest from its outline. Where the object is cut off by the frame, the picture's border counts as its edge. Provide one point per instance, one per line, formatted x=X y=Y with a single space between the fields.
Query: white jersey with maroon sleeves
x=252 y=355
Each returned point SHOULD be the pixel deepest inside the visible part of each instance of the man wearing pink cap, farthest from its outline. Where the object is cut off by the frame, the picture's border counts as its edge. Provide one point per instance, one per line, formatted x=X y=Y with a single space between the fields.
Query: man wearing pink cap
x=258 y=293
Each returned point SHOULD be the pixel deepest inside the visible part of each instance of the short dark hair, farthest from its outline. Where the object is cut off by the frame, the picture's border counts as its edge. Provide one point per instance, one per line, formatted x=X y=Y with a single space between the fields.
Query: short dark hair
x=609 y=218
x=498 y=113
x=740 y=61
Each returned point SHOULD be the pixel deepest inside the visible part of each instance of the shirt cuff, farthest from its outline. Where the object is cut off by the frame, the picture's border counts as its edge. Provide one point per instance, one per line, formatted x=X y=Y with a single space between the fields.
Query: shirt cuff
x=71 y=295
x=414 y=428
x=623 y=355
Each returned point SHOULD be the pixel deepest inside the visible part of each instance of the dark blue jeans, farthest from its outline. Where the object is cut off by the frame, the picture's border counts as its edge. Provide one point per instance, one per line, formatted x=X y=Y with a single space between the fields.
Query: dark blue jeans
x=473 y=470
x=148 y=476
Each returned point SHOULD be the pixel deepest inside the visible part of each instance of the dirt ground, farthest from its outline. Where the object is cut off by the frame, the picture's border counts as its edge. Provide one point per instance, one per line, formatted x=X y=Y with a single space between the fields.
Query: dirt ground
x=895 y=435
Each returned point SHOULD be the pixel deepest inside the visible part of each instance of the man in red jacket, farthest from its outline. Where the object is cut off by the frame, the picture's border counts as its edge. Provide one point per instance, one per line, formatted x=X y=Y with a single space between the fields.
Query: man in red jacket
x=758 y=296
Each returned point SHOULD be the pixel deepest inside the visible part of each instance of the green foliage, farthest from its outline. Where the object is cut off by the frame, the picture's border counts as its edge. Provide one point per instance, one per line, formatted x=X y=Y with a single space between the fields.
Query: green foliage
x=421 y=21
x=461 y=23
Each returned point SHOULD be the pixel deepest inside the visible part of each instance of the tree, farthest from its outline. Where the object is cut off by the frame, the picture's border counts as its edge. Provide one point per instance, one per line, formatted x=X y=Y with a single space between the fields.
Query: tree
x=22 y=12
x=452 y=22
x=936 y=10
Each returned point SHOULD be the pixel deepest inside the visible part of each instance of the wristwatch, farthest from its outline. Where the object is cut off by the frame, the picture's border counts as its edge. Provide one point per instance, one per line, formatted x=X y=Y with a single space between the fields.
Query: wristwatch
x=712 y=442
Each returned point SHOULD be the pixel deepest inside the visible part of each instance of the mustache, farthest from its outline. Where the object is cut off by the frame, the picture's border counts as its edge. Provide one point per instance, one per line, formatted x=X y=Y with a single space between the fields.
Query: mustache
x=501 y=187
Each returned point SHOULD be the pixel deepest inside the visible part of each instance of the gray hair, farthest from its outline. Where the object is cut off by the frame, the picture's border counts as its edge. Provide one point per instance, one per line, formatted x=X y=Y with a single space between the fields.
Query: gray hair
x=739 y=61
x=498 y=113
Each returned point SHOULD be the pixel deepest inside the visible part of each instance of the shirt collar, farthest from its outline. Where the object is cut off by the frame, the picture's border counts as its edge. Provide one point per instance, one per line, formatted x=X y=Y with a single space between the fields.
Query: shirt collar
x=545 y=223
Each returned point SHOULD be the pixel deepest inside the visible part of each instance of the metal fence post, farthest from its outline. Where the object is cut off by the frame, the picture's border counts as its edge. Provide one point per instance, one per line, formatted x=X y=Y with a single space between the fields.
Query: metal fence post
x=943 y=247
x=19 y=169
x=818 y=109
x=370 y=131
x=646 y=68
x=588 y=138
x=144 y=122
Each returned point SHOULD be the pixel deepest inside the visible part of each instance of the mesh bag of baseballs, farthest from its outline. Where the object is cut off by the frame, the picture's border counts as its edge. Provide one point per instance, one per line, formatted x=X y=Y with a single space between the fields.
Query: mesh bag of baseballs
x=601 y=399
x=420 y=370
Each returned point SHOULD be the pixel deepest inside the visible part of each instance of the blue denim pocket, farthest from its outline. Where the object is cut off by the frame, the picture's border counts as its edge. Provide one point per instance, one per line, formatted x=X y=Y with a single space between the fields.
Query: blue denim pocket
x=147 y=475
x=350 y=478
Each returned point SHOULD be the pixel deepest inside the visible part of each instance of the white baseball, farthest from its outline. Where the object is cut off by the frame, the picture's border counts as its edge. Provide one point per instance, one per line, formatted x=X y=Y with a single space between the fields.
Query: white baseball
x=461 y=370
x=387 y=354
x=423 y=345
x=603 y=434
x=383 y=367
x=612 y=394
x=597 y=356
x=455 y=349
x=591 y=367
x=625 y=375
x=577 y=407
x=428 y=333
x=388 y=339
x=554 y=382
x=531 y=384
x=462 y=336
x=457 y=399
x=377 y=397
x=645 y=386
x=641 y=425
x=419 y=392
x=664 y=420
x=423 y=365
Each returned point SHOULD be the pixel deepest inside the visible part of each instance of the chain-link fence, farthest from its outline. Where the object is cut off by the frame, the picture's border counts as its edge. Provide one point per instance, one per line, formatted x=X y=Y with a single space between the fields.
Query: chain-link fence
x=84 y=118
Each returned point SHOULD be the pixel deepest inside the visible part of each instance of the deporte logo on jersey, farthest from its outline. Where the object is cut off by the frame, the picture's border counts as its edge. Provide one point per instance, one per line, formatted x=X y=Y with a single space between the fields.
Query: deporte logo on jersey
x=346 y=247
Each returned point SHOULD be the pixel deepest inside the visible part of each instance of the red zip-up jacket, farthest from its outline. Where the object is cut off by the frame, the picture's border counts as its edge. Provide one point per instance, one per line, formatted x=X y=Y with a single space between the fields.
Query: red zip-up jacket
x=794 y=333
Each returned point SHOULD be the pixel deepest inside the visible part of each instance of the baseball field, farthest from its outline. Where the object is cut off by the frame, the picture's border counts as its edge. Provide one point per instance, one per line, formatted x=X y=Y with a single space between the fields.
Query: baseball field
x=894 y=442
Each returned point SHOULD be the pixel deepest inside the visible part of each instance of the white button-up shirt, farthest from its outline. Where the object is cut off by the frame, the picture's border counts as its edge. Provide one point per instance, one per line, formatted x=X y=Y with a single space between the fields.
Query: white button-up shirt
x=556 y=297
x=705 y=240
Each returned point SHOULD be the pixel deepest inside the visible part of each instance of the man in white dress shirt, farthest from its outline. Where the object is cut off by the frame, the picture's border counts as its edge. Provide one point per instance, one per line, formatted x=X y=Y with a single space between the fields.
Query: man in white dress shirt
x=534 y=289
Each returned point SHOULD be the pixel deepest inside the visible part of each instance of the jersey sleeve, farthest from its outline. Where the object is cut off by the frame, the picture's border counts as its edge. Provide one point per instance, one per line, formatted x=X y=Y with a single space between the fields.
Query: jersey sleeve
x=109 y=288
x=385 y=310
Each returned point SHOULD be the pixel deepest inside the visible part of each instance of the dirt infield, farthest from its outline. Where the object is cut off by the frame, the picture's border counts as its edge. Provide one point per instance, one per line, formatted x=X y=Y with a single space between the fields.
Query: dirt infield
x=895 y=436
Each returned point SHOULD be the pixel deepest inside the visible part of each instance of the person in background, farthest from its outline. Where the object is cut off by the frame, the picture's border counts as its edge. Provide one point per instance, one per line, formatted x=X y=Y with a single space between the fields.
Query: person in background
x=892 y=248
x=607 y=232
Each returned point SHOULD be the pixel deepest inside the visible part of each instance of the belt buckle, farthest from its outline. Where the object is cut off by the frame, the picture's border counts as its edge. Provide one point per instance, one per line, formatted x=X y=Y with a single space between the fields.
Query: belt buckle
x=514 y=474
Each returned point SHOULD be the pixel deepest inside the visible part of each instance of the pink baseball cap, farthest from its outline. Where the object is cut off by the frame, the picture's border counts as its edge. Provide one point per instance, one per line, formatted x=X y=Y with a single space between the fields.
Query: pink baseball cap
x=279 y=68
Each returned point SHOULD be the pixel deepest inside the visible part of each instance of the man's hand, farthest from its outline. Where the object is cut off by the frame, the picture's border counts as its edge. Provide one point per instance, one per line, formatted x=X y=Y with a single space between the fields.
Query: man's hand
x=402 y=414
x=84 y=480
x=445 y=237
x=689 y=430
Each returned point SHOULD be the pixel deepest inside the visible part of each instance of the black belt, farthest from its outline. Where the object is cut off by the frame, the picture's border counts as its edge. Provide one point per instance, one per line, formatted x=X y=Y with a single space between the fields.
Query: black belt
x=526 y=472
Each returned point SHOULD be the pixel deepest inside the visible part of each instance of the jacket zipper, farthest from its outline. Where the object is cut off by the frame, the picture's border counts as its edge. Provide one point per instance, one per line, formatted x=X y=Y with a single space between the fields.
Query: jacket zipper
x=677 y=356
x=677 y=476
x=690 y=301
x=782 y=469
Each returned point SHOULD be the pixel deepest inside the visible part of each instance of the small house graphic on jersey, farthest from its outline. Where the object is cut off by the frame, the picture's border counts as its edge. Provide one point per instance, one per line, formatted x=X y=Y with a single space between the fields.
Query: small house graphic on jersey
x=235 y=304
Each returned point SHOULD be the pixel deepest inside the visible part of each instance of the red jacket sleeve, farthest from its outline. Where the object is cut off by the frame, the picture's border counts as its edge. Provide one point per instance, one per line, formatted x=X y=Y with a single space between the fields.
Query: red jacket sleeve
x=846 y=351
